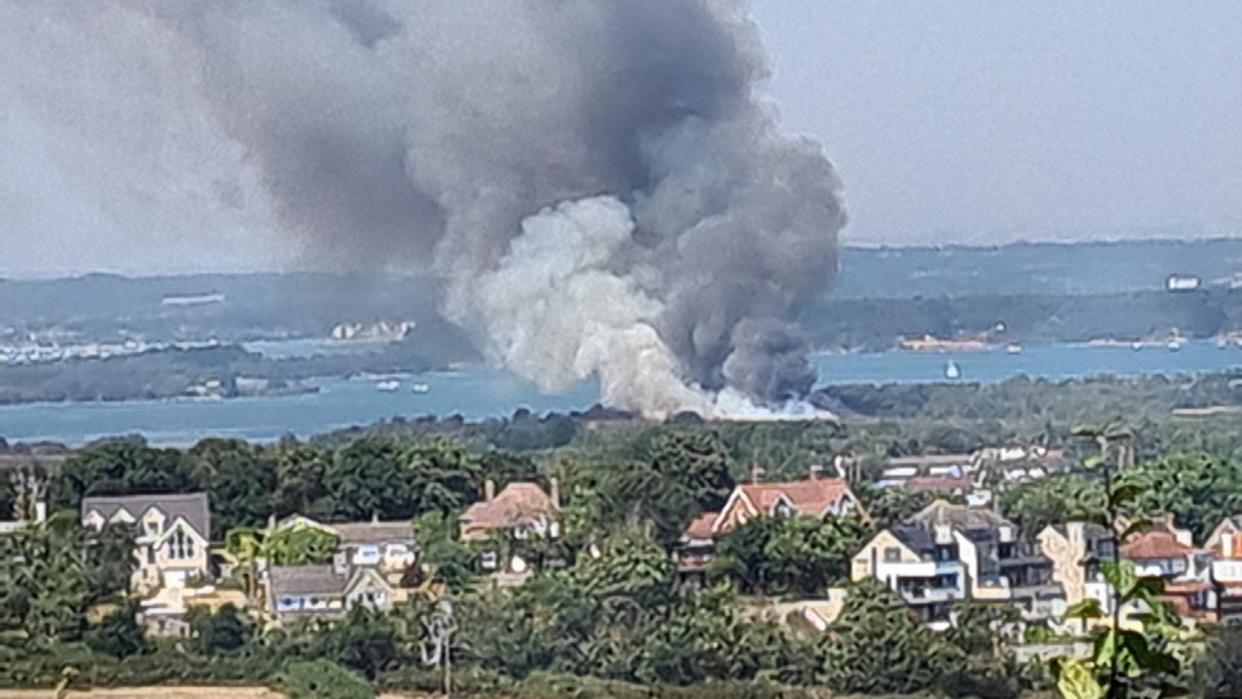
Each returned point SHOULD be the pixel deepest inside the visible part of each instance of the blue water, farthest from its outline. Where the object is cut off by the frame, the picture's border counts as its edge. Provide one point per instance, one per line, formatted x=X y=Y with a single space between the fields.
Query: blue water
x=479 y=392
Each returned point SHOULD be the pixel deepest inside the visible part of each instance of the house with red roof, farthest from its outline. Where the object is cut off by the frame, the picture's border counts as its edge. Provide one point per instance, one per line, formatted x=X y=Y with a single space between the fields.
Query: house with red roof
x=522 y=510
x=1167 y=551
x=813 y=497
x=1224 y=544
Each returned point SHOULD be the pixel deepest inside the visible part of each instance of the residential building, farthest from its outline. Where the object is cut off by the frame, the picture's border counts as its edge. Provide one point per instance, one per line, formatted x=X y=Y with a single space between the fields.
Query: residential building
x=521 y=510
x=948 y=552
x=1167 y=552
x=926 y=575
x=389 y=547
x=813 y=497
x=173 y=533
x=1224 y=544
x=324 y=591
x=29 y=519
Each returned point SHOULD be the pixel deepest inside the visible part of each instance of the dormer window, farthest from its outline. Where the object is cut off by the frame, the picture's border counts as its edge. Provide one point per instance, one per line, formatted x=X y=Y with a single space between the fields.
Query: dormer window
x=180 y=546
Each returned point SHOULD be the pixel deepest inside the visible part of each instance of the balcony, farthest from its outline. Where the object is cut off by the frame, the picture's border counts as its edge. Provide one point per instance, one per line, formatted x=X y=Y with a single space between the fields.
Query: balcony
x=930 y=595
x=1227 y=570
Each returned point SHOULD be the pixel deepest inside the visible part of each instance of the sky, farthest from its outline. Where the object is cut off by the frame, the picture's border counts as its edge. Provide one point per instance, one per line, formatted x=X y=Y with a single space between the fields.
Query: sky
x=956 y=121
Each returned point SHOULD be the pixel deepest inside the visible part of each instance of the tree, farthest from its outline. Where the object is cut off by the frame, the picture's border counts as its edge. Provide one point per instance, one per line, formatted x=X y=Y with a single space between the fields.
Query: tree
x=116 y=467
x=299 y=545
x=241 y=483
x=1218 y=670
x=876 y=647
x=110 y=560
x=1057 y=498
x=889 y=506
x=45 y=585
x=1200 y=490
x=118 y=634
x=442 y=555
x=777 y=555
x=301 y=473
x=222 y=631
x=365 y=640
x=365 y=479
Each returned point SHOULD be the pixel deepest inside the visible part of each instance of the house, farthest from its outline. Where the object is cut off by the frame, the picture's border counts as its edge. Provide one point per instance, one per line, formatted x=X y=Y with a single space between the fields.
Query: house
x=324 y=591
x=948 y=552
x=1164 y=551
x=39 y=516
x=926 y=575
x=1167 y=552
x=522 y=508
x=1224 y=544
x=389 y=547
x=523 y=511
x=813 y=497
x=172 y=535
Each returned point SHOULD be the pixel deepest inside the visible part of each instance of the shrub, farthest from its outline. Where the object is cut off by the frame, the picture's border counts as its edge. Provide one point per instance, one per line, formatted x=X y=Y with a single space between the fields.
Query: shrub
x=321 y=679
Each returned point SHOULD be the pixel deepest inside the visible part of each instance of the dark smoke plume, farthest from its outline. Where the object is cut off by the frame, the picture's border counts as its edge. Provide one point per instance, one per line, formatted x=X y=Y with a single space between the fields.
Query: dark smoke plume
x=595 y=181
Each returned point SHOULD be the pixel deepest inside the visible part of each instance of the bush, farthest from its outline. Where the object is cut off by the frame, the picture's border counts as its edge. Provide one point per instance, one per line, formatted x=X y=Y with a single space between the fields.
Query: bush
x=321 y=679
x=118 y=634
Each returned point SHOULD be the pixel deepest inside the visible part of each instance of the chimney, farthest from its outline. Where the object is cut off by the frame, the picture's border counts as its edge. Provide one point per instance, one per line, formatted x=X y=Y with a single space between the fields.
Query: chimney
x=554 y=485
x=489 y=490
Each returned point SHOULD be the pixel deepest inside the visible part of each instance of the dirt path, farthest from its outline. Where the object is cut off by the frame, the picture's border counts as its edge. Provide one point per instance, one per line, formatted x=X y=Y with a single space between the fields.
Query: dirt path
x=150 y=693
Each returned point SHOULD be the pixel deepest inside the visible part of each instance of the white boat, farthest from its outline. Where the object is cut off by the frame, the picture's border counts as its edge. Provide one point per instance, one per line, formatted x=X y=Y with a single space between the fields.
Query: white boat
x=1136 y=346
x=421 y=388
x=1013 y=348
x=952 y=370
x=1174 y=345
x=388 y=386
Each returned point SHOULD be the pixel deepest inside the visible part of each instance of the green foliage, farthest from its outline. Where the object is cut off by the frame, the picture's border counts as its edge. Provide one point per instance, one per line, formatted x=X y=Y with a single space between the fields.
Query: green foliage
x=1198 y=489
x=322 y=679
x=365 y=641
x=879 y=648
x=1057 y=498
x=1127 y=660
x=890 y=506
x=223 y=631
x=631 y=566
x=45 y=585
x=110 y=560
x=1218 y=670
x=299 y=545
x=780 y=555
x=242 y=482
x=442 y=554
x=118 y=634
x=119 y=466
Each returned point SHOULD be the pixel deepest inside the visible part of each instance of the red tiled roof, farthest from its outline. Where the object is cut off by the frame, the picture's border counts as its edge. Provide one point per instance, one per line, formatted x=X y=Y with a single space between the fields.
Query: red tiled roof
x=809 y=497
x=701 y=526
x=1155 y=544
x=517 y=502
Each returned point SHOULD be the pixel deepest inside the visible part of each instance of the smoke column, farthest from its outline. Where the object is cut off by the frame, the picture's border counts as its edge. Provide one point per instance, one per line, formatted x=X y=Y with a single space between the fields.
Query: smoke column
x=595 y=182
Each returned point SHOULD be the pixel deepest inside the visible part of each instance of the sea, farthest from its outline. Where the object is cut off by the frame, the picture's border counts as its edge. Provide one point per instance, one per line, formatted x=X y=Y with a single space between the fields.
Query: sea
x=479 y=392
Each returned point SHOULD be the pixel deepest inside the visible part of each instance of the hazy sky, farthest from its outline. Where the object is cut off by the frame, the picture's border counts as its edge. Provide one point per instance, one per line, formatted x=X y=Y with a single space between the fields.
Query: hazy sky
x=948 y=121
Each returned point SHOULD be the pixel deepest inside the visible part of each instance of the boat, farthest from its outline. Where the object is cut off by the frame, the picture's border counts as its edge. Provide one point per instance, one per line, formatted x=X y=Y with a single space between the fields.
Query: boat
x=1013 y=348
x=421 y=388
x=1174 y=345
x=388 y=386
x=952 y=370
x=1136 y=345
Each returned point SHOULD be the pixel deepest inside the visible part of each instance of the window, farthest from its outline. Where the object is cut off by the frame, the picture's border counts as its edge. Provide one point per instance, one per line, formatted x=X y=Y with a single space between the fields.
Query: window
x=180 y=546
x=892 y=554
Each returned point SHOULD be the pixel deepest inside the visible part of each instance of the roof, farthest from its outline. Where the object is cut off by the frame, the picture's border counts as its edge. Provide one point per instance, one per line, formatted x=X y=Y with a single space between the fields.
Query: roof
x=701 y=526
x=192 y=507
x=930 y=460
x=917 y=539
x=939 y=484
x=1155 y=544
x=364 y=533
x=306 y=580
x=942 y=512
x=809 y=497
x=517 y=502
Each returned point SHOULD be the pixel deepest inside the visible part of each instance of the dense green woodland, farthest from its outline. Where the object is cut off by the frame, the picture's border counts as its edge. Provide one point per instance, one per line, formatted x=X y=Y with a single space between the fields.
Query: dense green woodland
x=587 y=625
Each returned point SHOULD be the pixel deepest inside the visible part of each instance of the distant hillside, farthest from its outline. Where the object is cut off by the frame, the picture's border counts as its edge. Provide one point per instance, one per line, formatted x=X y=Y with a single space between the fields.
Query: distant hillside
x=1033 y=268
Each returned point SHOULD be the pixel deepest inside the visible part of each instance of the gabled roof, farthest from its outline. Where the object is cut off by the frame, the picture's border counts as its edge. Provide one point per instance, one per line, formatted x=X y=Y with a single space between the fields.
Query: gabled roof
x=517 y=503
x=1155 y=544
x=963 y=517
x=306 y=580
x=809 y=497
x=701 y=526
x=374 y=533
x=191 y=507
